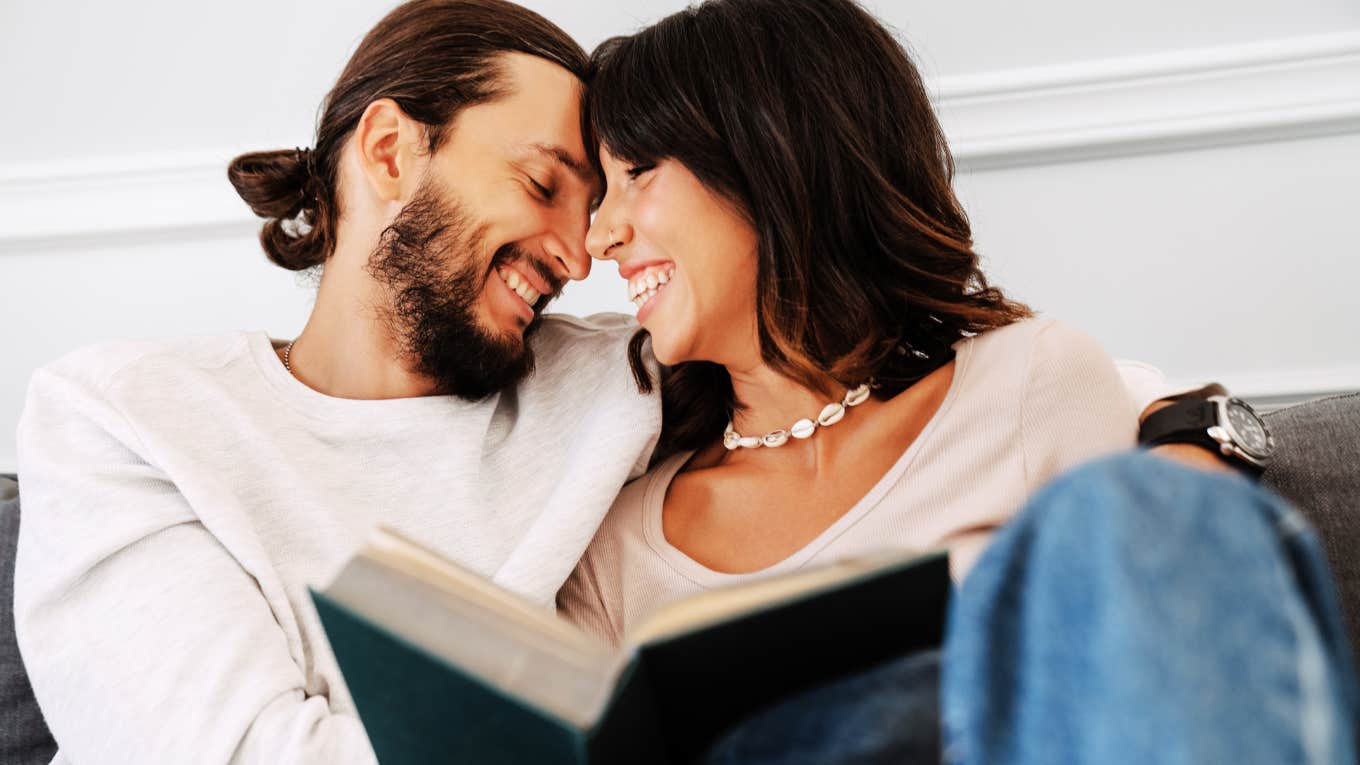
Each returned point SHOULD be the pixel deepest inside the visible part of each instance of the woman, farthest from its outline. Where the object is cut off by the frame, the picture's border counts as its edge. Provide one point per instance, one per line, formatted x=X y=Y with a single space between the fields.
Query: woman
x=842 y=374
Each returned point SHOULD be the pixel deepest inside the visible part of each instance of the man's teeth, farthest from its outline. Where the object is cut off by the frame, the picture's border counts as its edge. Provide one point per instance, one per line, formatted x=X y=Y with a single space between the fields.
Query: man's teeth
x=519 y=286
x=644 y=286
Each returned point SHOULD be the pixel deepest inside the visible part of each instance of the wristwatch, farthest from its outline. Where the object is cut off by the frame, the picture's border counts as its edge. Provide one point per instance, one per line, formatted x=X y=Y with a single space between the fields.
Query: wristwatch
x=1225 y=425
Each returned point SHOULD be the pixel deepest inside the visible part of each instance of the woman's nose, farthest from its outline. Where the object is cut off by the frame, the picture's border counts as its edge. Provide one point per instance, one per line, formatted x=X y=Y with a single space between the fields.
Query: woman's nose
x=605 y=233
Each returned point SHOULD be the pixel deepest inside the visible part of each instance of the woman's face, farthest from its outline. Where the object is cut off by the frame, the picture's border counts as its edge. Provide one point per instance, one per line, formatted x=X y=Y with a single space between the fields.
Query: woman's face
x=687 y=258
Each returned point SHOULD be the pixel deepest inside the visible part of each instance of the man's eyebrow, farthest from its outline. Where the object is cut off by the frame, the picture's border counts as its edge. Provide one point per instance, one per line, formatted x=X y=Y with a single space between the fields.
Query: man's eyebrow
x=563 y=157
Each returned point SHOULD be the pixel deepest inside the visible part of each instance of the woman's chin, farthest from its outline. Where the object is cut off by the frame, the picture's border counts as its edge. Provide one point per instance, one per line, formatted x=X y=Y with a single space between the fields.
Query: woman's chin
x=667 y=350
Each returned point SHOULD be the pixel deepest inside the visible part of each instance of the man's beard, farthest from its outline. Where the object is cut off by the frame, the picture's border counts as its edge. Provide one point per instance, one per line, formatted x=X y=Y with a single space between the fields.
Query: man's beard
x=427 y=260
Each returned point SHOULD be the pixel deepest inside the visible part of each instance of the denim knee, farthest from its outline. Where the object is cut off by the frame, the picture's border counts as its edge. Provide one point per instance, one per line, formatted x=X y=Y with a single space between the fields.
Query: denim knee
x=1139 y=505
x=1137 y=610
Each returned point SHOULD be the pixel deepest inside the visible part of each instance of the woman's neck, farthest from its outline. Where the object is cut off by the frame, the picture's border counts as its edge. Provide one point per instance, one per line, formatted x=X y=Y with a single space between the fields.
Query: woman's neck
x=772 y=401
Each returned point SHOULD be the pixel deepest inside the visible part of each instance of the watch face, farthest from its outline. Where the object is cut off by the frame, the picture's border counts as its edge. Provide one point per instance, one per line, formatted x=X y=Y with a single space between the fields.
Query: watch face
x=1248 y=428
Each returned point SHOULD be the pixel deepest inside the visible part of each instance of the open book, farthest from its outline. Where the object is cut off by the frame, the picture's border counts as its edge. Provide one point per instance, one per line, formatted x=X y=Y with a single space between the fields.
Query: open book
x=444 y=666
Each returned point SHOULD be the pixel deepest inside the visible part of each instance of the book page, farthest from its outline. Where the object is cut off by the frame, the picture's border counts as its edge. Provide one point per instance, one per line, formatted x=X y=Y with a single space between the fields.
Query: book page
x=401 y=554
x=454 y=614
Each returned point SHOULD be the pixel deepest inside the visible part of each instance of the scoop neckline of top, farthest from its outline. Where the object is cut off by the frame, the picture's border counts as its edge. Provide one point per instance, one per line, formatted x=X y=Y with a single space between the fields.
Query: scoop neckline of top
x=696 y=572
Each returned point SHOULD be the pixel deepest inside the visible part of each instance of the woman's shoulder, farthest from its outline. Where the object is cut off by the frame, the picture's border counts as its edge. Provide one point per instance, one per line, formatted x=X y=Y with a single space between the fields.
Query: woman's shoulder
x=1014 y=365
x=1037 y=343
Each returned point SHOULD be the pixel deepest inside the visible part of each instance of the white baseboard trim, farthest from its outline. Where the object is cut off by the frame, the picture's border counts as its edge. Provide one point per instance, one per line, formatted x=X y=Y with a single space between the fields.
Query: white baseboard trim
x=1276 y=390
x=1269 y=90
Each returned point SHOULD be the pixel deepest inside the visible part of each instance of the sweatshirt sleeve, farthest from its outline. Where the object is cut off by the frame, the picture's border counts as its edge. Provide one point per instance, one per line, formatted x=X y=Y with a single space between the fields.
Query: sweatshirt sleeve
x=144 y=638
x=1075 y=406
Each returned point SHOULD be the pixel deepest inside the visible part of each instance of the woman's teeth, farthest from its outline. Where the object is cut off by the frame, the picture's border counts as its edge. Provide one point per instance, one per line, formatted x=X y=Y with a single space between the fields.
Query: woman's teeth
x=644 y=286
x=519 y=286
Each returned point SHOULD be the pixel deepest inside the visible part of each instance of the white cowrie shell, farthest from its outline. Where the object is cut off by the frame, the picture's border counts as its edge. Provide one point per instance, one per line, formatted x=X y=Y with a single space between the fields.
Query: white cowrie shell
x=803 y=429
x=857 y=396
x=831 y=414
x=776 y=438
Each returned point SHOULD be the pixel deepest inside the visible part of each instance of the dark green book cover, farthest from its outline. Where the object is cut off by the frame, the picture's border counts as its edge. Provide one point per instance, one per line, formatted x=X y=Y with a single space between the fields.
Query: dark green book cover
x=671 y=701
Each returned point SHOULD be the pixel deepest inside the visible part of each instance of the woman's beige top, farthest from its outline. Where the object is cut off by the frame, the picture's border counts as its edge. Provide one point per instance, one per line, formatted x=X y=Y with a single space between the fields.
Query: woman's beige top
x=1026 y=403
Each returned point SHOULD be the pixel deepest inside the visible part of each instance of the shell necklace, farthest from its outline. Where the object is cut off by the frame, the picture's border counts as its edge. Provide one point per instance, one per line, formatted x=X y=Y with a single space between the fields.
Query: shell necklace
x=830 y=415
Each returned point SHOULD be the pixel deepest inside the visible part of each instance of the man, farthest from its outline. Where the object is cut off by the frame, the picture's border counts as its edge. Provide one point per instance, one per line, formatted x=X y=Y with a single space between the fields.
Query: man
x=179 y=497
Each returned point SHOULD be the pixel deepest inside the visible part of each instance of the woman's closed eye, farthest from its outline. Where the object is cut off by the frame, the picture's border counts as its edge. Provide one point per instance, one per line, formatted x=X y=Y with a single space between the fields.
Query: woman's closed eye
x=638 y=170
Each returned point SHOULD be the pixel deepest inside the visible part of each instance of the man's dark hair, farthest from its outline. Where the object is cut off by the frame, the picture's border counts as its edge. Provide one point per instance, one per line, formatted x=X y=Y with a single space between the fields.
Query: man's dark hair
x=809 y=117
x=433 y=58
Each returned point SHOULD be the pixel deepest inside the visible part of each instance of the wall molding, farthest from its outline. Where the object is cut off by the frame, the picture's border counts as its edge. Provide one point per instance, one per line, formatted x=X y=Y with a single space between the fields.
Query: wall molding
x=120 y=199
x=1261 y=91
x=1271 y=90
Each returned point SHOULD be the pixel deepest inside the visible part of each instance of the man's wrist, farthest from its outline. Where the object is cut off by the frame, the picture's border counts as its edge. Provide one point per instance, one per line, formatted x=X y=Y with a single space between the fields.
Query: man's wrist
x=1193 y=455
x=1207 y=429
x=1198 y=457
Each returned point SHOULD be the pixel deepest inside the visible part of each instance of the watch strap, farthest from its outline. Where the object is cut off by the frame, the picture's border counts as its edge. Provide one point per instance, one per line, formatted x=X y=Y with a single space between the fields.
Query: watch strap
x=1184 y=422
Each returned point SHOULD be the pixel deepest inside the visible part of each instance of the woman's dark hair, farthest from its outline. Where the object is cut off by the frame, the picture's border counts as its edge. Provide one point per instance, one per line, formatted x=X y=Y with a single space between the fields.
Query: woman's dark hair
x=809 y=117
x=433 y=58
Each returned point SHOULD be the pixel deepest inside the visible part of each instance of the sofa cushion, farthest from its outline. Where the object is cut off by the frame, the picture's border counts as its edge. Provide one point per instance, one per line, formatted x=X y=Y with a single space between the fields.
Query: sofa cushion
x=24 y=737
x=1317 y=467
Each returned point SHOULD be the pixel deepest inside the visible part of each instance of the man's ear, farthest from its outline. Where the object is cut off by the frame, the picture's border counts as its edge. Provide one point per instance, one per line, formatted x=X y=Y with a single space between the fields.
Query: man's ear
x=390 y=150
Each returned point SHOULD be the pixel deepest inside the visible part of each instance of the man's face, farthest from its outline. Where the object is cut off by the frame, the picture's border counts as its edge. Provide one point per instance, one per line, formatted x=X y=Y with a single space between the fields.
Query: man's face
x=496 y=228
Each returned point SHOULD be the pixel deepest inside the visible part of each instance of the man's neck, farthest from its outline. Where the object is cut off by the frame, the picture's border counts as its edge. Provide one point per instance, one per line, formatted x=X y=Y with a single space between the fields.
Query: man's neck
x=346 y=350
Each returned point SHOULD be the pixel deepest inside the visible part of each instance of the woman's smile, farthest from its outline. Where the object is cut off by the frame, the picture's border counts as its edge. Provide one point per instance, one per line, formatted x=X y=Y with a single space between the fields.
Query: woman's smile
x=646 y=286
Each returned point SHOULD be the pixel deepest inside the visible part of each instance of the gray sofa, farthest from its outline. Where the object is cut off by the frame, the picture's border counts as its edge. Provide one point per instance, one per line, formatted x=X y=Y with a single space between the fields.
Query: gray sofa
x=1317 y=468
x=24 y=737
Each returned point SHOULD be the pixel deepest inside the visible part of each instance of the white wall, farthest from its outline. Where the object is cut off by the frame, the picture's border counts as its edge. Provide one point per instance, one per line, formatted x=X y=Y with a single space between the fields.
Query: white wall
x=1180 y=179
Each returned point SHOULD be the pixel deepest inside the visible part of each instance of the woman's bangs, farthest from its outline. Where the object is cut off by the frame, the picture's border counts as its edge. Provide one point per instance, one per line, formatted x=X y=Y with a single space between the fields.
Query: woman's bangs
x=627 y=108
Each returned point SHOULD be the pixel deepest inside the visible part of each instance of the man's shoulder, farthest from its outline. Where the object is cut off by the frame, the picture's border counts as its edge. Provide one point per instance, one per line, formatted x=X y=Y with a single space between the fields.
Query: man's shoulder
x=571 y=350
x=95 y=388
x=102 y=364
x=601 y=337
x=603 y=327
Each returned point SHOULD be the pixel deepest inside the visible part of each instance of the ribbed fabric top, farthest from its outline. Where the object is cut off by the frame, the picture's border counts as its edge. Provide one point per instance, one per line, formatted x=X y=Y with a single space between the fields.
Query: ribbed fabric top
x=1026 y=402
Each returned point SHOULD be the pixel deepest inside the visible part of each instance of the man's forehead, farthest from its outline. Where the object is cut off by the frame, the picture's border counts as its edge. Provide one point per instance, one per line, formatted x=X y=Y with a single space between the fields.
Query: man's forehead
x=548 y=89
x=544 y=102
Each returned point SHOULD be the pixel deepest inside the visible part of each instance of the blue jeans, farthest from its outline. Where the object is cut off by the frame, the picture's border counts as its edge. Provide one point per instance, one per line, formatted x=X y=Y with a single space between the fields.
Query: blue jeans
x=1134 y=612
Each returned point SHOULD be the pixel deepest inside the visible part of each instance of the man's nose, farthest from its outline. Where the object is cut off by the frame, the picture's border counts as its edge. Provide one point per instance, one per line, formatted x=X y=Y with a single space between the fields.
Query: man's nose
x=568 y=250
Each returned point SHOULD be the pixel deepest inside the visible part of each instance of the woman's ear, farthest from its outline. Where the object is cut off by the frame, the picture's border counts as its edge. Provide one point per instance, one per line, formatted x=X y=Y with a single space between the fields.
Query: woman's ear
x=390 y=150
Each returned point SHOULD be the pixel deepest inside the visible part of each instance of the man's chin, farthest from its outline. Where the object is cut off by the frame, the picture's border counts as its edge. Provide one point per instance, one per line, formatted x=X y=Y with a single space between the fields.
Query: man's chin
x=512 y=328
x=482 y=374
